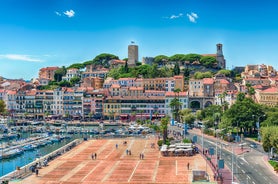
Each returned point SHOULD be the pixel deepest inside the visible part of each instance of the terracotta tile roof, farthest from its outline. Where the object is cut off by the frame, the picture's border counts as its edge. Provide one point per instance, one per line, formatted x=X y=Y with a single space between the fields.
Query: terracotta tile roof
x=181 y=94
x=49 y=68
x=208 y=81
x=224 y=81
x=115 y=86
x=10 y=92
x=257 y=86
x=136 y=88
x=178 y=77
x=270 y=90
x=31 y=93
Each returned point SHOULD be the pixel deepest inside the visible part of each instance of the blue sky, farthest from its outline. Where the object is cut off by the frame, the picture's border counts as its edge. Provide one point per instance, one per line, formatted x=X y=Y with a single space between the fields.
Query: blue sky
x=41 y=33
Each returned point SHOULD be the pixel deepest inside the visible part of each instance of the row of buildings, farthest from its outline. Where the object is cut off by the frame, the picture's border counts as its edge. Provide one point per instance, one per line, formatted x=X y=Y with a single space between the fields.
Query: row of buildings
x=99 y=96
x=130 y=97
x=122 y=99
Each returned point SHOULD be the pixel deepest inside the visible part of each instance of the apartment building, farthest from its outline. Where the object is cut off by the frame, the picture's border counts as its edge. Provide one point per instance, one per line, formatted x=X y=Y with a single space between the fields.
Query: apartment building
x=267 y=96
x=47 y=73
x=71 y=73
x=132 y=107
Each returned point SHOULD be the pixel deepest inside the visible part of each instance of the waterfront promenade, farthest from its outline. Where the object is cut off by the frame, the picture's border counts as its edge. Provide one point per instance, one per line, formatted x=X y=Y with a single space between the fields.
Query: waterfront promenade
x=114 y=165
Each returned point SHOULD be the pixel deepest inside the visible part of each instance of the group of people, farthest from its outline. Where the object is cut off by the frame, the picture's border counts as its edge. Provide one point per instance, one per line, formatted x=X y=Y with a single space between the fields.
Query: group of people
x=94 y=156
x=128 y=152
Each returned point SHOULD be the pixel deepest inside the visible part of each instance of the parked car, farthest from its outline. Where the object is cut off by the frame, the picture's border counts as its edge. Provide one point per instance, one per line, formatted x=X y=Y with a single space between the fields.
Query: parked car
x=253 y=145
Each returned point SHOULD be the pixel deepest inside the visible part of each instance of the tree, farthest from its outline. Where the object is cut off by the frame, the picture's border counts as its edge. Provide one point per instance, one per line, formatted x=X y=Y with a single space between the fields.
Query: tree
x=2 y=106
x=208 y=61
x=77 y=66
x=199 y=115
x=74 y=80
x=192 y=57
x=176 y=70
x=65 y=83
x=102 y=59
x=161 y=59
x=164 y=128
x=201 y=75
x=270 y=138
x=242 y=114
x=272 y=116
x=227 y=73
x=187 y=116
x=126 y=67
x=177 y=57
x=208 y=114
x=250 y=90
x=60 y=73
x=175 y=106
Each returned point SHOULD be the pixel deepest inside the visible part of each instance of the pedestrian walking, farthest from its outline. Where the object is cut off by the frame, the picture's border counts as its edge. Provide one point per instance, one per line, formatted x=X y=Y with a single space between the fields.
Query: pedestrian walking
x=127 y=151
x=37 y=172
x=95 y=155
x=142 y=155
x=116 y=146
x=188 y=165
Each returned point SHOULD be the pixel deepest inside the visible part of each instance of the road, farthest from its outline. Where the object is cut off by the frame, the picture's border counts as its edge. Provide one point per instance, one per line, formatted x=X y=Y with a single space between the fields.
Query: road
x=248 y=168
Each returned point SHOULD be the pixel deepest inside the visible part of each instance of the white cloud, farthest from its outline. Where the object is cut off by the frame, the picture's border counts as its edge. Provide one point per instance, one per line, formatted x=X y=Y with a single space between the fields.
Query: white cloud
x=174 y=16
x=192 y=17
x=57 y=13
x=69 y=13
x=20 y=57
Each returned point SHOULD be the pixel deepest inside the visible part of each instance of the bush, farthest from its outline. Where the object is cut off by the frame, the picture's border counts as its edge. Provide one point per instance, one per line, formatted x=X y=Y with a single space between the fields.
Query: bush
x=159 y=142
x=186 y=141
x=274 y=164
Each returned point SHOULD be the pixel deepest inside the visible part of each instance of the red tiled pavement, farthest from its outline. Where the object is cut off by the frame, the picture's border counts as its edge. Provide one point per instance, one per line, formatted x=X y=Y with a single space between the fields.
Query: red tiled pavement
x=115 y=166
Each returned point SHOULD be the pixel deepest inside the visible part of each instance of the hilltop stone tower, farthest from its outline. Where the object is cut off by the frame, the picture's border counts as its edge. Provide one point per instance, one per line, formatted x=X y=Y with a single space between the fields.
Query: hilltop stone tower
x=220 y=57
x=132 y=54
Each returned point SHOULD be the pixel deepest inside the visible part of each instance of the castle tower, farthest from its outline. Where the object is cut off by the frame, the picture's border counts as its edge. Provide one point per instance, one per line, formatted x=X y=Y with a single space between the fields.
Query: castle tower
x=220 y=57
x=132 y=54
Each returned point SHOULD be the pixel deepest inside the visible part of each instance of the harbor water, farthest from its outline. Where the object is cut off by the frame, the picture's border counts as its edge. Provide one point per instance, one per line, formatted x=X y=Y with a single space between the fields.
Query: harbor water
x=9 y=165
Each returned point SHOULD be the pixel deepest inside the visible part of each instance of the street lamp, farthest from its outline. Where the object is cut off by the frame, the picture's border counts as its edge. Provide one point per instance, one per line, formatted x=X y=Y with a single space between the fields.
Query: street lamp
x=258 y=126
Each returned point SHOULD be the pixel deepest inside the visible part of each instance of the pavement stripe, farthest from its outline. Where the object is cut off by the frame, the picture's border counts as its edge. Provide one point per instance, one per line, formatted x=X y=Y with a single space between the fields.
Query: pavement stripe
x=110 y=172
x=91 y=171
x=134 y=170
x=72 y=172
x=155 y=170
x=176 y=167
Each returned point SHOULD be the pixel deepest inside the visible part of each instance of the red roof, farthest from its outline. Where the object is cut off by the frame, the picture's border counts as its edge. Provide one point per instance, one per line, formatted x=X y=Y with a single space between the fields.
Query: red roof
x=208 y=81
x=171 y=93
x=50 y=68
x=270 y=90
x=136 y=88
x=224 y=81
x=115 y=86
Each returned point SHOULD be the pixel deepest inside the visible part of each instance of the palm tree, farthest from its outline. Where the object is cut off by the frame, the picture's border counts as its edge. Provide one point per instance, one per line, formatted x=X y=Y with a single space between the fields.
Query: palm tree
x=175 y=104
x=164 y=128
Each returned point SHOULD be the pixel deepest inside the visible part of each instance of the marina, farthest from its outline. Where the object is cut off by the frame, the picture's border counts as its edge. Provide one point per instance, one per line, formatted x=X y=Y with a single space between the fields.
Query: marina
x=35 y=140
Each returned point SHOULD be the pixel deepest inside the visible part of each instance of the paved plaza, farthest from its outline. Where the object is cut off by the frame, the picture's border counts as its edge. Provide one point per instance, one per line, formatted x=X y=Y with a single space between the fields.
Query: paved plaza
x=114 y=165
